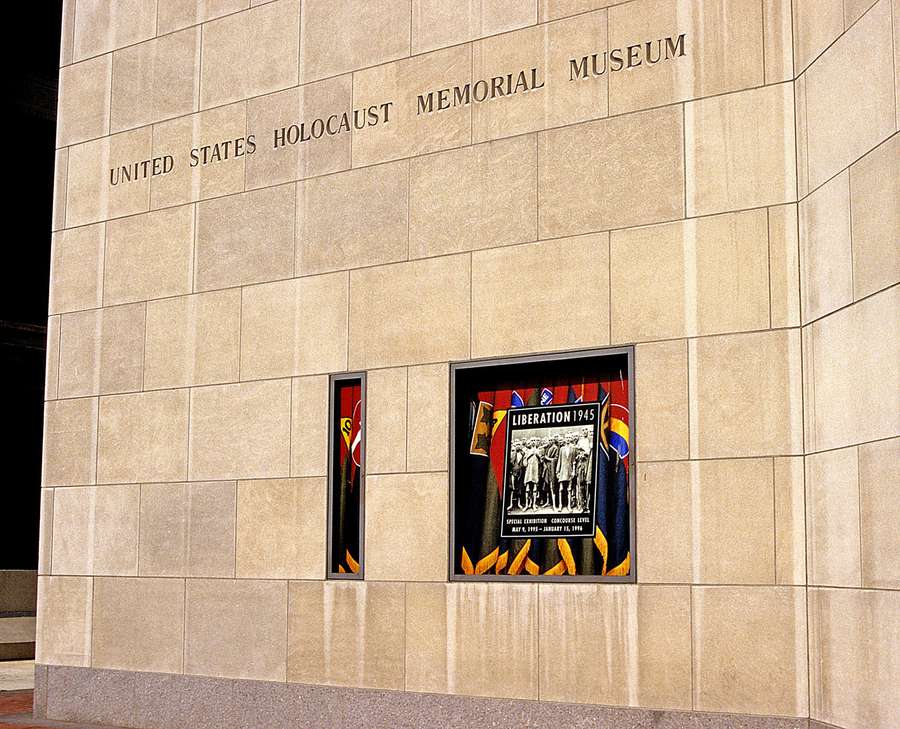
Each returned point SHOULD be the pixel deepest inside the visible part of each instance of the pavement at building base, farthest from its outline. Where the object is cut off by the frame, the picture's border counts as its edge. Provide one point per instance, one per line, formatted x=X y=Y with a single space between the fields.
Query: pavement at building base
x=15 y=713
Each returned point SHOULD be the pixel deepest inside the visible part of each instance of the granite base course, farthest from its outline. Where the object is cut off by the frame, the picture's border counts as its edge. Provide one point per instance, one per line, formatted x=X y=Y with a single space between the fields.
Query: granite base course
x=170 y=701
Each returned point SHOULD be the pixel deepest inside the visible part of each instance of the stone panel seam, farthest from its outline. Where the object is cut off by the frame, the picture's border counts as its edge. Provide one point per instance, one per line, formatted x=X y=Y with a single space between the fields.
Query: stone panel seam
x=184 y=610
x=138 y=573
x=291 y=375
x=524 y=581
x=693 y=638
x=762 y=40
x=774 y=527
x=894 y=54
x=848 y=305
x=769 y=251
x=834 y=42
x=859 y=519
x=349 y=339
x=850 y=233
x=109 y=98
x=511 y=247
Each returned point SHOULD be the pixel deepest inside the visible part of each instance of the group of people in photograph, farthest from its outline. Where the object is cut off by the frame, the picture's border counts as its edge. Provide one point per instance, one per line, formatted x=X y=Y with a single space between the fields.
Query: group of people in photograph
x=551 y=472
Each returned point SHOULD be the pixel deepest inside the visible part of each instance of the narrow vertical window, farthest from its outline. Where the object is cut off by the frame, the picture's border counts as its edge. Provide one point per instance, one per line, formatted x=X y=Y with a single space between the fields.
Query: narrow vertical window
x=346 y=506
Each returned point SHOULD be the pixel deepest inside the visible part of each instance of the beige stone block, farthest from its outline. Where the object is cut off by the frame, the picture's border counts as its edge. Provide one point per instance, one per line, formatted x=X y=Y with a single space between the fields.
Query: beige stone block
x=670 y=280
x=275 y=114
x=386 y=420
x=149 y=256
x=895 y=12
x=529 y=311
x=727 y=30
x=60 y=175
x=101 y=351
x=643 y=633
x=661 y=400
x=741 y=379
x=76 y=269
x=850 y=96
x=219 y=638
x=832 y=518
x=583 y=172
x=95 y=530
x=294 y=327
x=826 y=269
x=844 y=406
x=63 y=630
x=240 y=431
x=481 y=196
x=218 y=169
x=854 y=657
x=281 y=528
x=552 y=9
x=875 y=219
x=451 y=649
x=854 y=9
x=156 y=80
x=90 y=194
x=409 y=543
x=732 y=503
x=193 y=340
x=427 y=417
x=67 y=32
x=817 y=24
x=801 y=127
x=437 y=24
x=739 y=150
x=665 y=524
x=354 y=218
x=555 y=98
x=138 y=624
x=778 y=40
x=784 y=266
x=70 y=442
x=706 y=522
x=392 y=309
x=51 y=371
x=187 y=529
x=879 y=504
x=243 y=239
x=749 y=651
x=309 y=426
x=790 y=522
x=250 y=53
x=175 y=14
x=408 y=134
x=103 y=25
x=342 y=35
x=83 y=110
x=143 y=437
x=346 y=634
x=45 y=538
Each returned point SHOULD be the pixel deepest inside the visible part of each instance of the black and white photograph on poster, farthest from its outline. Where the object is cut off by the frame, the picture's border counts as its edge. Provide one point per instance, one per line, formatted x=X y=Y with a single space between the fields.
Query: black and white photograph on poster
x=550 y=471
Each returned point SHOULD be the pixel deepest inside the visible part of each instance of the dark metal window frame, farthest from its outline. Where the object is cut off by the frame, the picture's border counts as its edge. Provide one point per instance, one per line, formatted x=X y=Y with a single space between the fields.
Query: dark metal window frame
x=487 y=364
x=333 y=382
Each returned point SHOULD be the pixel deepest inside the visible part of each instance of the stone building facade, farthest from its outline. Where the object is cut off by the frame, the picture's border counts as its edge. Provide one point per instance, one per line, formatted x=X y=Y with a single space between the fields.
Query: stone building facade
x=724 y=198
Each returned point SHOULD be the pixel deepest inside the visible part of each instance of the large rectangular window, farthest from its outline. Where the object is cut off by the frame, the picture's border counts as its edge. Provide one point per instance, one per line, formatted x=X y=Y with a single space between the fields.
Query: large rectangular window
x=542 y=468
x=346 y=476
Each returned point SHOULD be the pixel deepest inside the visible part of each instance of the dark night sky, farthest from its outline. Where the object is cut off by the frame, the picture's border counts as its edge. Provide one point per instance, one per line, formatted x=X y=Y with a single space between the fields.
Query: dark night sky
x=28 y=158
